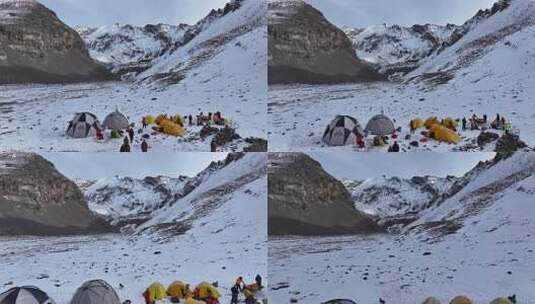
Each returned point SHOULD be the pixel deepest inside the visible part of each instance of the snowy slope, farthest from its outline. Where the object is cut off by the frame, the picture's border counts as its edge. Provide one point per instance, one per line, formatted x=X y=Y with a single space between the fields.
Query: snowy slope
x=217 y=188
x=483 y=42
x=397 y=48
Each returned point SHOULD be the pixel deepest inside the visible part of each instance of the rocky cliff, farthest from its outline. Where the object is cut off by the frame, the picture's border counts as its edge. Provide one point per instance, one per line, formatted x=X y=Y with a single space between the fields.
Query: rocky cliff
x=35 y=199
x=303 y=199
x=304 y=47
x=36 y=46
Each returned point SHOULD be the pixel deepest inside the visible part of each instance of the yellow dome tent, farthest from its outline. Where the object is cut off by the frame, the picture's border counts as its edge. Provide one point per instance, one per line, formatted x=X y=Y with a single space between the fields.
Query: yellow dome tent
x=178 y=119
x=179 y=290
x=160 y=118
x=157 y=291
x=431 y=300
x=501 y=301
x=205 y=290
x=416 y=123
x=444 y=134
x=431 y=121
x=461 y=300
x=450 y=123
x=171 y=128
x=149 y=120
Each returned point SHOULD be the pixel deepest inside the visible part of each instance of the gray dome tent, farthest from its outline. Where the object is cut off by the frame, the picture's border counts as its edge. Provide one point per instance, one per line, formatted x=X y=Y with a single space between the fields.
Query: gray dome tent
x=116 y=121
x=380 y=125
x=83 y=125
x=342 y=131
x=25 y=295
x=95 y=292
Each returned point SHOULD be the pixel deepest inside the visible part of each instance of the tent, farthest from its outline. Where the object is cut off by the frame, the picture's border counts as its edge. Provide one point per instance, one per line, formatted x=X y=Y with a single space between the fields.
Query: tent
x=25 y=295
x=416 y=123
x=431 y=300
x=205 y=290
x=340 y=301
x=83 y=125
x=342 y=131
x=171 y=128
x=441 y=133
x=380 y=125
x=501 y=301
x=179 y=290
x=431 y=121
x=95 y=292
x=157 y=291
x=461 y=300
x=116 y=121
x=450 y=123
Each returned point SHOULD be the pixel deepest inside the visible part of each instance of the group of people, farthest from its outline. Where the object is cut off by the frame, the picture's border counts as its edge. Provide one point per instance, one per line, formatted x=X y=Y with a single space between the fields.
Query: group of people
x=247 y=290
x=129 y=140
x=482 y=123
x=202 y=119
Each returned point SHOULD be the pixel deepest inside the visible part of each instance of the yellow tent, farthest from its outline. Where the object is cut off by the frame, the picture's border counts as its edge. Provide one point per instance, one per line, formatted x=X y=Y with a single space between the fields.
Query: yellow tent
x=501 y=301
x=149 y=119
x=450 y=123
x=179 y=290
x=171 y=128
x=192 y=301
x=160 y=118
x=431 y=121
x=443 y=134
x=178 y=119
x=157 y=291
x=461 y=300
x=205 y=290
x=416 y=123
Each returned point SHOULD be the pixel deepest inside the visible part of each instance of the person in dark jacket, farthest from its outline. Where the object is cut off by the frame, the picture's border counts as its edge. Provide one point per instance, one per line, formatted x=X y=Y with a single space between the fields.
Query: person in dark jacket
x=190 y=120
x=258 y=280
x=144 y=146
x=126 y=146
x=395 y=147
x=464 y=123
x=235 y=290
x=213 y=147
x=131 y=134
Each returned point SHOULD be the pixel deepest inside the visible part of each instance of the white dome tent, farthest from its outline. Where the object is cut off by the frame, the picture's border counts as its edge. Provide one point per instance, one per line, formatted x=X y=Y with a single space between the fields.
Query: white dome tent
x=380 y=125
x=83 y=125
x=95 y=292
x=116 y=121
x=25 y=295
x=342 y=131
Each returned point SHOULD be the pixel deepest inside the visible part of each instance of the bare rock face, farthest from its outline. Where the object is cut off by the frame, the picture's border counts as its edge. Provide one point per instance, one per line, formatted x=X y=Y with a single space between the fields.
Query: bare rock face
x=303 y=199
x=37 y=47
x=304 y=47
x=35 y=199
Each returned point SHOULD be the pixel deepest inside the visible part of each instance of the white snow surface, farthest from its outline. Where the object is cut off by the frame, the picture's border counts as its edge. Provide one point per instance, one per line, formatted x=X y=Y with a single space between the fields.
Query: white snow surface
x=492 y=255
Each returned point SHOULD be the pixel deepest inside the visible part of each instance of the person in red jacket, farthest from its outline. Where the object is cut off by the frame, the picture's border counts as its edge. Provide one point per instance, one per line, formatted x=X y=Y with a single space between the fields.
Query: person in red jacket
x=360 y=141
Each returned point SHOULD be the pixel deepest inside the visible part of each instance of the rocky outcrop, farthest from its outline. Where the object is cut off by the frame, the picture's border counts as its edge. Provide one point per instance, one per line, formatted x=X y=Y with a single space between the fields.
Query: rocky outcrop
x=35 y=199
x=303 y=47
x=37 y=47
x=303 y=199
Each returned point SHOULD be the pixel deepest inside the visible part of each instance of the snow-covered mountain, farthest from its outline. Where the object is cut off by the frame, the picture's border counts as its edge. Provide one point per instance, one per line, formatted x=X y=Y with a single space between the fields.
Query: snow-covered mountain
x=394 y=201
x=215 y=45
x=398 y=49
x=130 y=49
x=495 y=44
x=495 y=196
x=175 y=204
